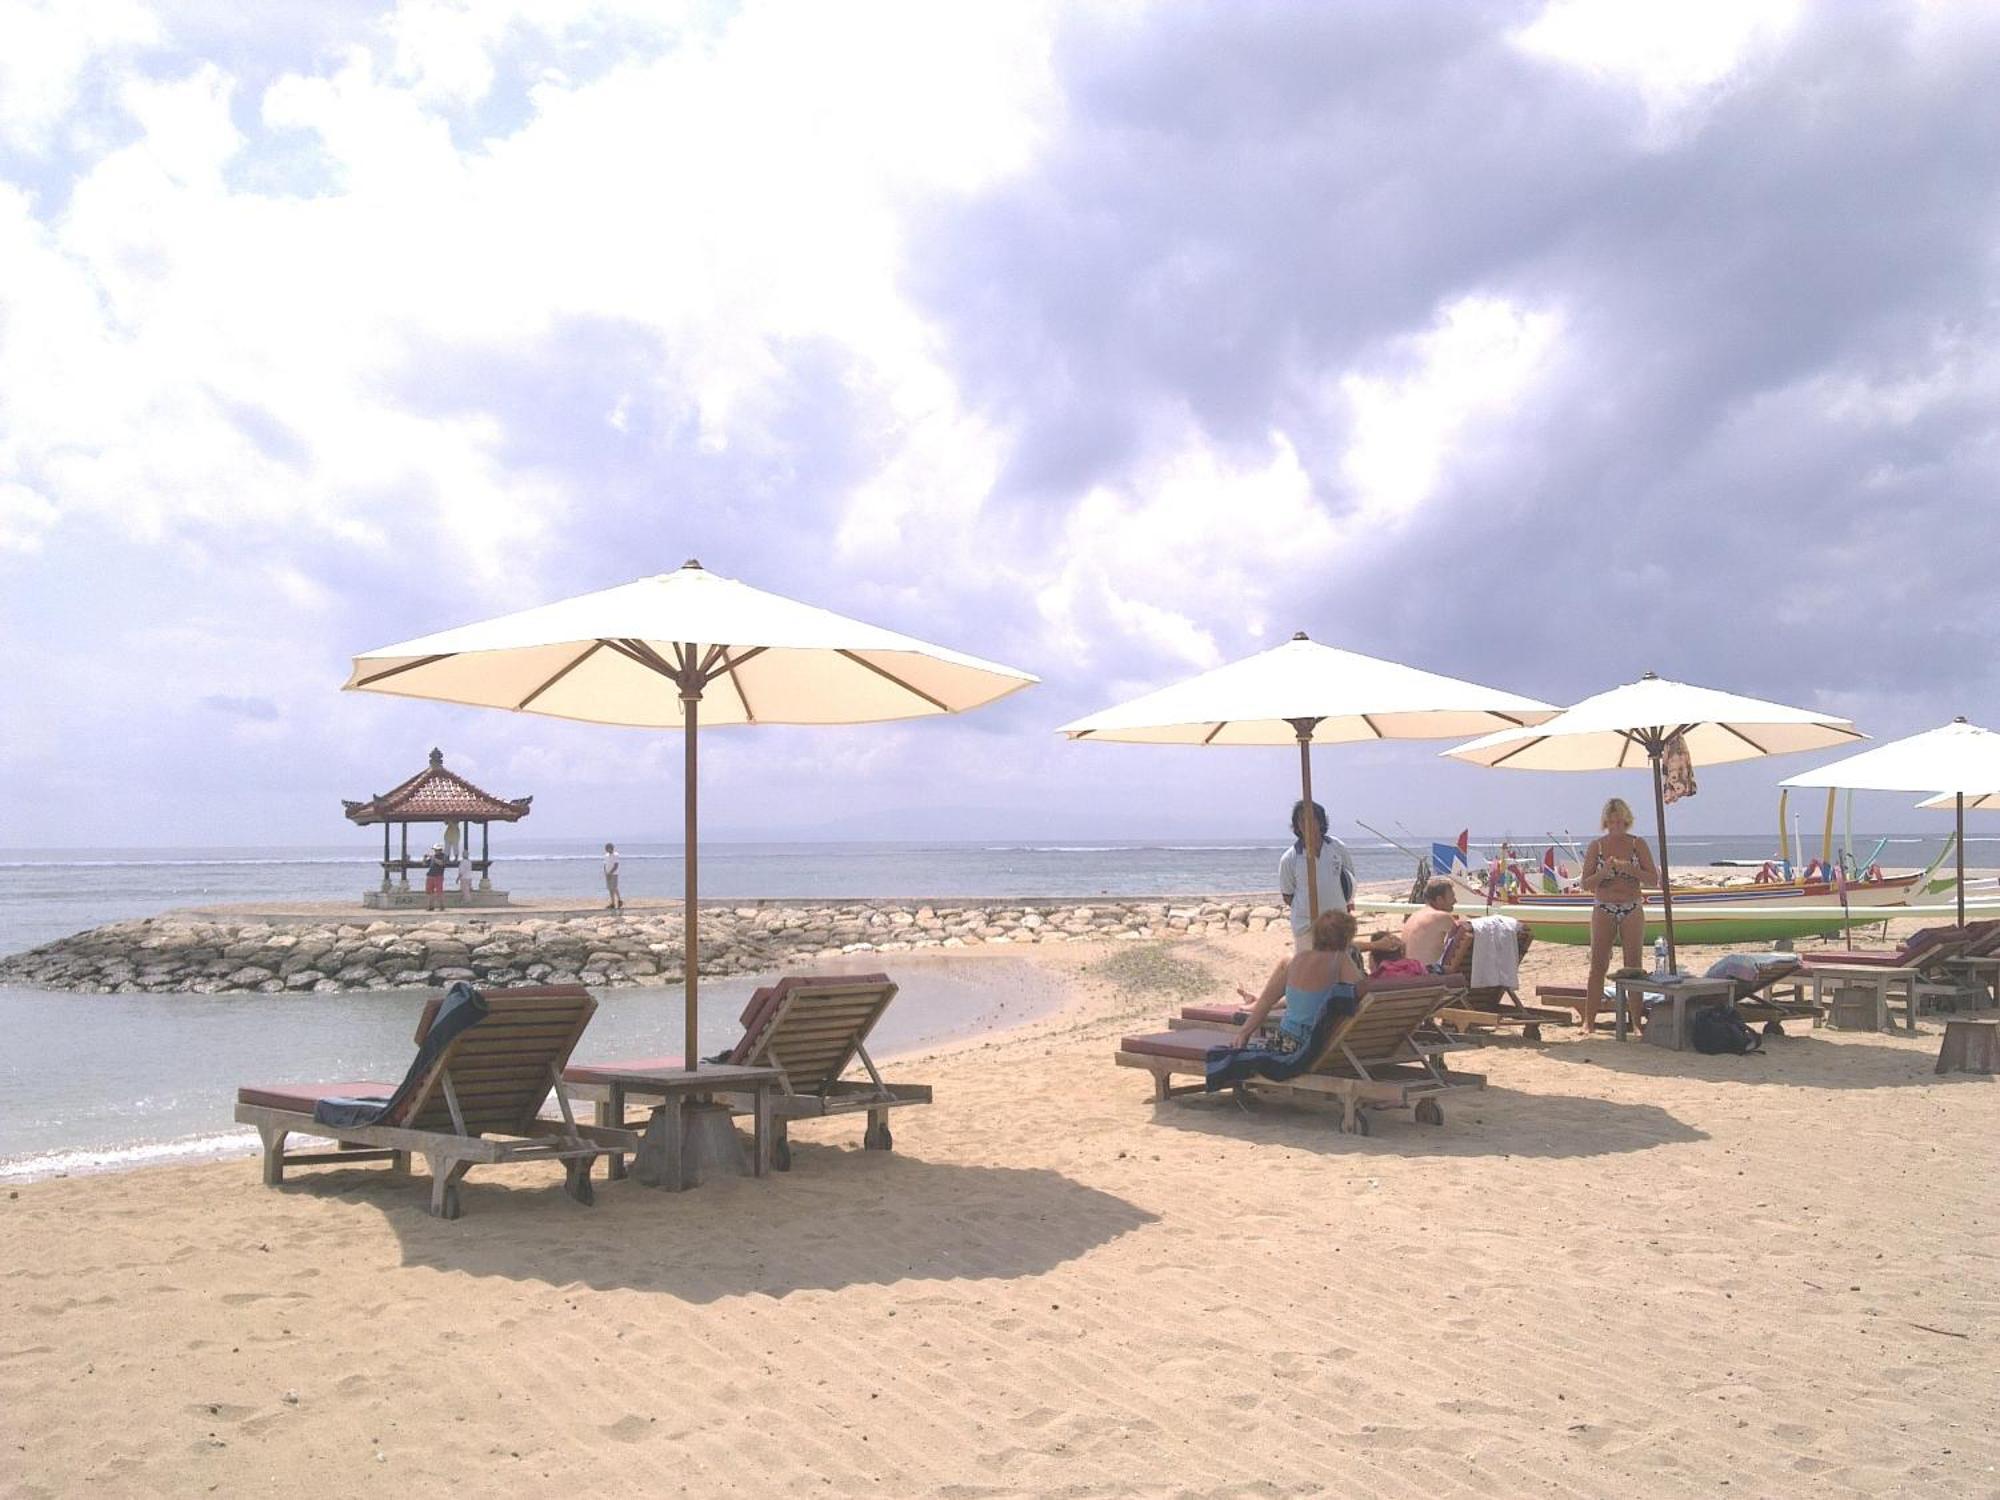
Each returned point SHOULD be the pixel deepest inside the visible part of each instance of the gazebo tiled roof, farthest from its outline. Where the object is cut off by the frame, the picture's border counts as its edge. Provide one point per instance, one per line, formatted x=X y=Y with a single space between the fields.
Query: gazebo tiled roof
x=435 y=795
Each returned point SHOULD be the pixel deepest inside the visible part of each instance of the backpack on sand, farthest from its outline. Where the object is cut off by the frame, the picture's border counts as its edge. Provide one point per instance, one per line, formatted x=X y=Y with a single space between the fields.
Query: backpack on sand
x=1721 y=1028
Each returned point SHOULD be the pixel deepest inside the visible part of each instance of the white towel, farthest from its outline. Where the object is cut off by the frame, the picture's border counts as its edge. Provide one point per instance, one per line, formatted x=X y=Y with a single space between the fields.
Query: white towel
x=1496 y=952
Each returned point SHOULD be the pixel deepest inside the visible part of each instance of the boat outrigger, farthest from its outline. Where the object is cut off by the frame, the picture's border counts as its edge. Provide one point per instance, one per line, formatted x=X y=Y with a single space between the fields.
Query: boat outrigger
x=1752 y=911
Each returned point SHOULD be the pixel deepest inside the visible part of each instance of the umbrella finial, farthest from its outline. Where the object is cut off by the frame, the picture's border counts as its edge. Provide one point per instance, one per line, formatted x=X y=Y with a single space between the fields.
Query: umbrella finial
x=1649 y=676
x=1958 y=718
x=1300 y=635
x=693 y=562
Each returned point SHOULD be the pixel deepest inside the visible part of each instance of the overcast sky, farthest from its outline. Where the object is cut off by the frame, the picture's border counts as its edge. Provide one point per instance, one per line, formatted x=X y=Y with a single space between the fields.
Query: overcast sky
x=1538 y=344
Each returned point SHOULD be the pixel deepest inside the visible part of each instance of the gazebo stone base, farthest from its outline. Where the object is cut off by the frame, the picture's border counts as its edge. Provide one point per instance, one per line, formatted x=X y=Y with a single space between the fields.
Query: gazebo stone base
x=413 y=900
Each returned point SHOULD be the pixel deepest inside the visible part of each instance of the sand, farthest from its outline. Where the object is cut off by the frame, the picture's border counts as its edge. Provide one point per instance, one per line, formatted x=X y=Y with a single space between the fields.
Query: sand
x=1615 y=1271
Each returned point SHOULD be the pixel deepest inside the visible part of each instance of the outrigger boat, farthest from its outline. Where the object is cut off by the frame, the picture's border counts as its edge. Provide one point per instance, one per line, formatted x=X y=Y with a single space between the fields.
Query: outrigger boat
x=1753 y=911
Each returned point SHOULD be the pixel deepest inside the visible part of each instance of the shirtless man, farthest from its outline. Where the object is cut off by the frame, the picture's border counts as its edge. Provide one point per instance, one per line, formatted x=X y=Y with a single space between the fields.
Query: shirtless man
x=1426 y=932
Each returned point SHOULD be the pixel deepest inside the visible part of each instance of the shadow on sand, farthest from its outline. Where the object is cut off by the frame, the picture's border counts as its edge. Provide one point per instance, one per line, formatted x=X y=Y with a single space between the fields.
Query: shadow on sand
x=1800 y=1060
x=1491 y=1121
x=839 y=1218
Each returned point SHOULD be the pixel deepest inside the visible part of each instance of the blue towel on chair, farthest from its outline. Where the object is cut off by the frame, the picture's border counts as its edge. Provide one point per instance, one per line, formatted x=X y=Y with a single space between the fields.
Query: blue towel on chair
x=463 y=1007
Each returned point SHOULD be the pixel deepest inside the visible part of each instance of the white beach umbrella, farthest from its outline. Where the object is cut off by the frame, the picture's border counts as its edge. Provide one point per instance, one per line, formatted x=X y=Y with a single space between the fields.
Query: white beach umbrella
x=1304 y=693
x=1959 y=761
x=1630 y=726
x=684 y=650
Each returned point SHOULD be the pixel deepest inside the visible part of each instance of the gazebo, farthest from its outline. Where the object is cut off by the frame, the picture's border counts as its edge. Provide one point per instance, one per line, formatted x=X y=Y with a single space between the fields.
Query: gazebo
x=435 y=795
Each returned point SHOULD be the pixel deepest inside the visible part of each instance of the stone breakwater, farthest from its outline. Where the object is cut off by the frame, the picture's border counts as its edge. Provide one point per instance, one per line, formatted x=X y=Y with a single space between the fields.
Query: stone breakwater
x=187 y=954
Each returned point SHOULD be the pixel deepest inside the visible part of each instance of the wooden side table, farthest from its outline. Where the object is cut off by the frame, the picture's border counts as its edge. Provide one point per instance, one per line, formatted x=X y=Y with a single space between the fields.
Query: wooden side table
x=1862 y=992
x=1686 y=994
x=678 y=1090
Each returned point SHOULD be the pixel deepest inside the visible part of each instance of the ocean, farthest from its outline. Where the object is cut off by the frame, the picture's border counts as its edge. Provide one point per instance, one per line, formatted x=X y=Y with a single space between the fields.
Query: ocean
x=98 y=1082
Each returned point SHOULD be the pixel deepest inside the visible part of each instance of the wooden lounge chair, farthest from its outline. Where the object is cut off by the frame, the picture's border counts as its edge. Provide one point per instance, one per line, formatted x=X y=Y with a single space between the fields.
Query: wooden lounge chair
x=1372 y=1060
x=811 y=1029
x=1493 y=1007
x=478 y=1102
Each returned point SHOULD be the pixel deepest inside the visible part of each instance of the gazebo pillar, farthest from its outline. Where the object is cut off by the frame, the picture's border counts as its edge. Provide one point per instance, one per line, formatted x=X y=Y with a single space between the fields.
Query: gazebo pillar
x=485 y=854
x=385 y=859
x=405 y=882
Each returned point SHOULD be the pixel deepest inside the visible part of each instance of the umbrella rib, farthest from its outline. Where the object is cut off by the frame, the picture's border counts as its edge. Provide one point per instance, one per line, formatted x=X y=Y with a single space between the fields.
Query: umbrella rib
x=561 y=672
x=1520 y=749
x=1369 y=720
x=729 y=667
x=862 y=661
x=1732 y=729
x=408 y=666
x=1209 y=738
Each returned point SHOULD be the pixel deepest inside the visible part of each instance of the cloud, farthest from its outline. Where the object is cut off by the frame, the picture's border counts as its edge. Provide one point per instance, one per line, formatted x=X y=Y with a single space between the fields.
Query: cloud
x=1538 y=344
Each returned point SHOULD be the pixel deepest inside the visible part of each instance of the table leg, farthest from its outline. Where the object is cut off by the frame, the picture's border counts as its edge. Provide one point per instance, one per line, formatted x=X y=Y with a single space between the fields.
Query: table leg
x=611 y=1112
x=675 y=1124
x=760 y=1158
x=1619 y=1020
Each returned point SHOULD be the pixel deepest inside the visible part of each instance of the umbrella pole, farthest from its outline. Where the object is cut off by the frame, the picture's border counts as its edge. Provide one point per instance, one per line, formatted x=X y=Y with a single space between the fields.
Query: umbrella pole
x=1311 y=839
x=1961 y=859
x=1666 y=879
x=691 y=716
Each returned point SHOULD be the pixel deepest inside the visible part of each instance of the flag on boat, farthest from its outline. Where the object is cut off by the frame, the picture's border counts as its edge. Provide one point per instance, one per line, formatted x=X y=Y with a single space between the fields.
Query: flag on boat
x=1447 y=857
x=1551 y=871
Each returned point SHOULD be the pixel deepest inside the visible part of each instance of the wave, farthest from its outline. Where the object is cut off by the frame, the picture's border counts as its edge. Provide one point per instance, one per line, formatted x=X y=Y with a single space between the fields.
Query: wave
x=83 y=1160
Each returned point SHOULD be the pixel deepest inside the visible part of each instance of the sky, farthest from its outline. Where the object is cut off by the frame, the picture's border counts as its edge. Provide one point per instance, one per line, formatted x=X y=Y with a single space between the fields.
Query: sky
x=1539 y=344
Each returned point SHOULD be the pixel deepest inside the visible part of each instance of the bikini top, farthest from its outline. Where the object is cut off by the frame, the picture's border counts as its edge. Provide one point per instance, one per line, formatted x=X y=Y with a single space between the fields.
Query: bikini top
x=1303 y=1007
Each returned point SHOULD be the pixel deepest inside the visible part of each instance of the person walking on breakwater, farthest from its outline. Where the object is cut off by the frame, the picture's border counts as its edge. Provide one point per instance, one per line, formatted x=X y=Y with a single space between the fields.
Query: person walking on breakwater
x=617 y=902
x=434 y=868
x=1335 y=869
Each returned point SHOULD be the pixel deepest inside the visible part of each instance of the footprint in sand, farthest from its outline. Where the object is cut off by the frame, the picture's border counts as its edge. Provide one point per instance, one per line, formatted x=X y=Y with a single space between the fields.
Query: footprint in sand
x=629 y=1428
x=220 y=1411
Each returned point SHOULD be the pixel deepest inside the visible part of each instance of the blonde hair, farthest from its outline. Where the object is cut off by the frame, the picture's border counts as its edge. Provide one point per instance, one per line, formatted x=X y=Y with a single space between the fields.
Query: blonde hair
x=1615 y=808
x=1333 y=932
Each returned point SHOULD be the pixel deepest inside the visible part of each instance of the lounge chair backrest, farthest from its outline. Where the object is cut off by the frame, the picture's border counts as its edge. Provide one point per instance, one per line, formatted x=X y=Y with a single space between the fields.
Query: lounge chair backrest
x=812 y=1027
x=1457 y=957
x=500 y=1068
x=1381 y=1028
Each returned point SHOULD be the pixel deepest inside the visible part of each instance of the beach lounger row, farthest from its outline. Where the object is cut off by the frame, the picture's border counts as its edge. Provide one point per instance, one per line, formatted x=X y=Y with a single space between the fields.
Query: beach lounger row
x=480 y=1097
x=1376 y=1059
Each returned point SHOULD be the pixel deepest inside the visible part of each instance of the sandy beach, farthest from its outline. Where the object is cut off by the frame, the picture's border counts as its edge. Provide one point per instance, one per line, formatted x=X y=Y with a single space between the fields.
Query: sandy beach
x=1615 y=1270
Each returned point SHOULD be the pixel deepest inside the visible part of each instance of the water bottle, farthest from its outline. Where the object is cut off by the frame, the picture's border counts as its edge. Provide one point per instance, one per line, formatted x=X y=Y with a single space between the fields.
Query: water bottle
x=1660 y=956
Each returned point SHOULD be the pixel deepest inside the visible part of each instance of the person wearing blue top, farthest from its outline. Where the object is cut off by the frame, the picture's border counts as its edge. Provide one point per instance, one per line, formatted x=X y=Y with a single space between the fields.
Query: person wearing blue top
x=1319 y=987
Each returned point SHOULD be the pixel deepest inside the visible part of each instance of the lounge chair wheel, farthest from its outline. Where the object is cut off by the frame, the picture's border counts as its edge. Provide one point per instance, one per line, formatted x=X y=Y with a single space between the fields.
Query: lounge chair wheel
x=1532 y=1032
x=577 y=1181
x=1429 y=1112
x=781 y=1154
x=1774 y=1028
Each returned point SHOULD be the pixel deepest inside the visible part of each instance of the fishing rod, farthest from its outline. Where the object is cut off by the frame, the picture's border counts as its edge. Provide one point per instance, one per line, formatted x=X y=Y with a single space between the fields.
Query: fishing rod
x=1423 y=859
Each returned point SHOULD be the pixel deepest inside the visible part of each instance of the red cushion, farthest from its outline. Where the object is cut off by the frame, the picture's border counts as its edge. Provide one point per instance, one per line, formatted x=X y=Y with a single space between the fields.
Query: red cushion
x=1222 y=1015
x=759 y=1001
x=301 y=1097
x=1183 y=1046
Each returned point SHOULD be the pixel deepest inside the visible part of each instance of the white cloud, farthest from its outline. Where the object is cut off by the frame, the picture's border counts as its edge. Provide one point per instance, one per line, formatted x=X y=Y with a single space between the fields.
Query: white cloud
x=1480 y=355
x=46 y=46
x=1675 y=56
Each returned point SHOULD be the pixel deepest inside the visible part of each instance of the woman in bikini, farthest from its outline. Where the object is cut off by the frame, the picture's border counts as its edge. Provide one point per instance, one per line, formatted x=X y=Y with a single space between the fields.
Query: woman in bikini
x=1319 y=987
x=1617 y=868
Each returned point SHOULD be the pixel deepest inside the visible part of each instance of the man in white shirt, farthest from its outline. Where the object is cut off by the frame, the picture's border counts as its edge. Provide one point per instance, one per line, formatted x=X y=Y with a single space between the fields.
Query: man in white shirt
x=1334 y=867
x=617 y=902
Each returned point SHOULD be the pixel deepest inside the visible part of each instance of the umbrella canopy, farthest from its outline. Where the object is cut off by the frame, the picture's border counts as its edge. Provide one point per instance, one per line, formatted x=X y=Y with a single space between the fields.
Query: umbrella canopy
x=1960 y=761
x=1304 y=693
x=679 y=650
x=1630 y=726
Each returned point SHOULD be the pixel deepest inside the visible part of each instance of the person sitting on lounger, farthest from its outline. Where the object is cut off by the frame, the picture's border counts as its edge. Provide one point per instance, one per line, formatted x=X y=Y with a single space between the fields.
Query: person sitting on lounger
x=1318 y=986
x=1426 y=932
